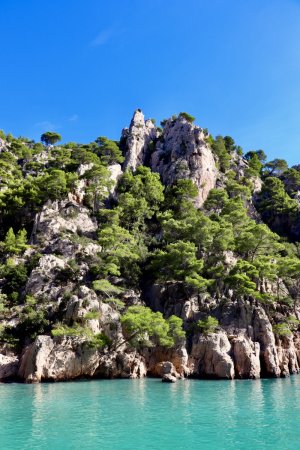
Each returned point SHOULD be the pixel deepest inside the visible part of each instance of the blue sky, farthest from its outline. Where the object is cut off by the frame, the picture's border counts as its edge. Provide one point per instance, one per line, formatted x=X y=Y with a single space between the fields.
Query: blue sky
x=82 y=67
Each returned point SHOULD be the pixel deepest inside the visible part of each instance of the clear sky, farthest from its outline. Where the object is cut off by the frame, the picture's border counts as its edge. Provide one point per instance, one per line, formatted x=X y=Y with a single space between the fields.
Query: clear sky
x=82 y=67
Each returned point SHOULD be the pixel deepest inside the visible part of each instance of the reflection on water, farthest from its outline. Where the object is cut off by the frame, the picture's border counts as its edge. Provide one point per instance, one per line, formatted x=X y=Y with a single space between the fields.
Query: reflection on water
x=148 y=414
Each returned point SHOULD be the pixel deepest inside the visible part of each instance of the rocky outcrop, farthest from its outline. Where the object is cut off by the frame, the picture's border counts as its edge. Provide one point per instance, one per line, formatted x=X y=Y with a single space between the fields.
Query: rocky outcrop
x=121 y=365
x=288 y=355
x=210 y=356
x=182 y=152
x=157 y=356
x=246 y=357
x=137 y=139
x=42 y=280
x=70 y=358
x=172 y=298
x=57 y=359
x=3 y=145
x=166 y=369
x=8 y=367
x=263 y=333
x=62 y=216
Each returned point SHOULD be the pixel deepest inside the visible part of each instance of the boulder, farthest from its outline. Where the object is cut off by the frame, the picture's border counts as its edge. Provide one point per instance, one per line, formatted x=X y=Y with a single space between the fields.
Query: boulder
x=158 y=359
x=168 y=378
x=8 y=367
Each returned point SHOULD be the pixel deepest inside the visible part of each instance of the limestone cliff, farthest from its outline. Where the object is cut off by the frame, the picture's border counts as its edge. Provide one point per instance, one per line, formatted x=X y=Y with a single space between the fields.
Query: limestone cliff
x=57 y=324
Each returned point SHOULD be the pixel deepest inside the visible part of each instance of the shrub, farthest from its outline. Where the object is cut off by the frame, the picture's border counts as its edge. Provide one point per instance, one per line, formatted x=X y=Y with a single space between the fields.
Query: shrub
x=99 y=340
x=115 y=303
x=187 y=117
x=90 y=315
x=282 y=329
x=92 y=340
x=208 y=325
x=63 y=330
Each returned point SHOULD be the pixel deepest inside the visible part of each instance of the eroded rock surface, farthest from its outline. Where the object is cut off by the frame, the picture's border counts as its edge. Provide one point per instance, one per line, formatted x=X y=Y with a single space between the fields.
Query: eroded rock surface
x=210 y=356
x=183 y=152
x=138 y=137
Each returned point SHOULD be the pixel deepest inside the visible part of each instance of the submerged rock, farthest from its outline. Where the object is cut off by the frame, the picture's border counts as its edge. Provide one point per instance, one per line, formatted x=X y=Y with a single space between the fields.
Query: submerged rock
x=168 y=378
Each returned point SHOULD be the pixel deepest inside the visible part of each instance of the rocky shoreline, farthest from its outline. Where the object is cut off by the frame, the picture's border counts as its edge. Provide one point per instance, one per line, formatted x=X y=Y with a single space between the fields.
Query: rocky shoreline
x=230 y=354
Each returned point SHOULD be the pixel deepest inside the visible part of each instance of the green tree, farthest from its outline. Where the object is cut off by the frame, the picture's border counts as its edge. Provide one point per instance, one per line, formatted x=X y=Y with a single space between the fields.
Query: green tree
x=106 y=287
x=120 y=253
x=109 y=151
x=216 y=200
x=229 y=144
x=53 y=185
x=291 y=180
x=259 y=153
x=219 y=148
x=50 y=138
x=256 y=240
x=15 y=244
x=275 y=168
x=99 y=184
x=145 y=328
x=178 y=262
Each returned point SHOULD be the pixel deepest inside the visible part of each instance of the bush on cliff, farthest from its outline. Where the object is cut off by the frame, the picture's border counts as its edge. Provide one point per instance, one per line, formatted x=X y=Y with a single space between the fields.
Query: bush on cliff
x=144 y=328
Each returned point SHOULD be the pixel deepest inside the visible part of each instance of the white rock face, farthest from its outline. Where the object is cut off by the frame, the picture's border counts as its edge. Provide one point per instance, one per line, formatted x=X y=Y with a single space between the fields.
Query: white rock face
x=182 y=152
x=246 y=357
x=210 y=356
x=263 y=333
x=8 y=366
x=69 y=358
x=115 y=173
x=138 y=136
x=56 y=217
x=61 y=359
x=3 y=145
x=287 y=355
x=42 y=279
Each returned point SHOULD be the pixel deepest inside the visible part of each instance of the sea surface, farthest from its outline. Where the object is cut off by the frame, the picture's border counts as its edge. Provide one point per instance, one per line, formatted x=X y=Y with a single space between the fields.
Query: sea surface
x=149 y=414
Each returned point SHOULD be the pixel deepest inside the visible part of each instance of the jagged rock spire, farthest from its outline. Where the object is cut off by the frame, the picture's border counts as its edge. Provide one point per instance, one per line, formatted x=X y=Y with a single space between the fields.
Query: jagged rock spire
x=181 y=151
x=138 y=137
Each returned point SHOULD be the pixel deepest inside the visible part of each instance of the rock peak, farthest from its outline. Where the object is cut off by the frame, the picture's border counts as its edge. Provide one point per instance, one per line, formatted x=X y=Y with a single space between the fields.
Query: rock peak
x=137 y=138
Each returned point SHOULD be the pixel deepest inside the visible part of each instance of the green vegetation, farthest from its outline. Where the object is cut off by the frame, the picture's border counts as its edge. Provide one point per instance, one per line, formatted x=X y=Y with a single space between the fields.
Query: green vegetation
x=50 y=138
x=143 y=327
x=187 y=117
x=208 y=325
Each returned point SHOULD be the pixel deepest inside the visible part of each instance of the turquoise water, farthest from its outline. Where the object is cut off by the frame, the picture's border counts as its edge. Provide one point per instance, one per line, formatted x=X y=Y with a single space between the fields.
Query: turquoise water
x=149 y=414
